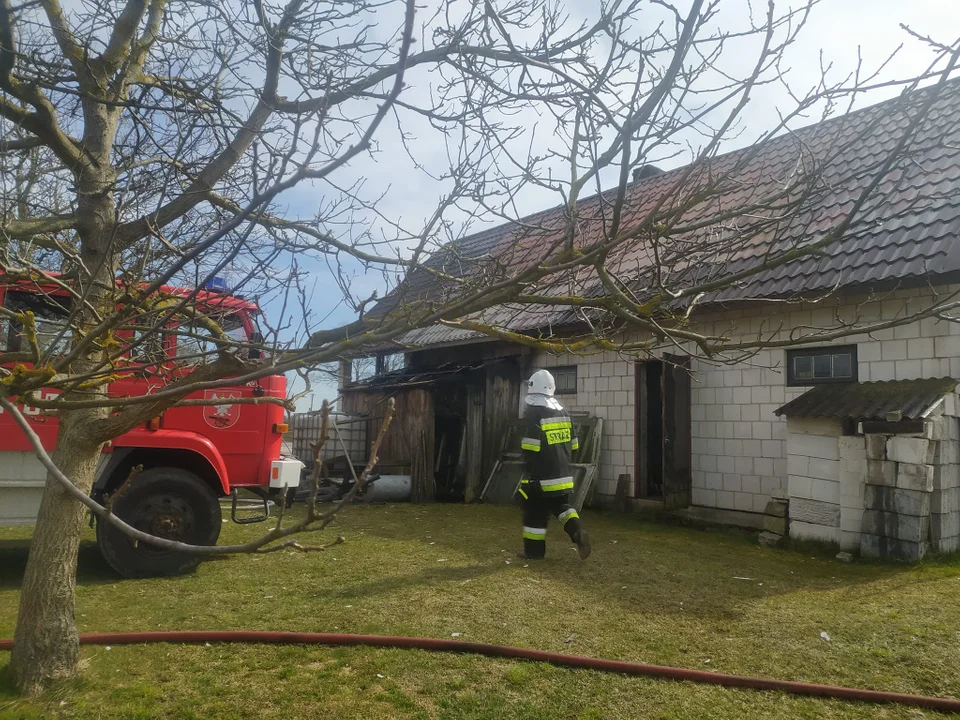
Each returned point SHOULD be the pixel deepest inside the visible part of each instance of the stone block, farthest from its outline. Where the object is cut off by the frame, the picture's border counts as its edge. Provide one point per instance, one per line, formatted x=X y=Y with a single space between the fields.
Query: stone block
x=947 y=545
x=946 y=477
x=947 y=347
x=876 y=447
x=951 y=428
x=876 y=546
x=950 y=404
x=915 y=477
x=769 y=539
x=881 y=472
x=945 y=501
x=911 y=450
x=849 y=541
x=814 y=446
x=797 y=464
x=851 y=444
x=947 y=453
x=815 y=512
x=894 y=525
x=851 y=519
x=810 y=531
x=826 y=427
x=827 y=491
x=776 y=525
x=823 y=469
x=800 y=486
x=906 y=502
x=944 y=525
x=775 y=509
x=779 y=493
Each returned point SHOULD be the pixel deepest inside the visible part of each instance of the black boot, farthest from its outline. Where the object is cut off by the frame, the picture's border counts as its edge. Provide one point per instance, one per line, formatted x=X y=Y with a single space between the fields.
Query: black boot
x=582 y=539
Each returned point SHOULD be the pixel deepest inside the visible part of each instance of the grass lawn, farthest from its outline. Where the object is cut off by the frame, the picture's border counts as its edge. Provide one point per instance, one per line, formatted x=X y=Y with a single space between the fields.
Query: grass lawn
x=652 y=593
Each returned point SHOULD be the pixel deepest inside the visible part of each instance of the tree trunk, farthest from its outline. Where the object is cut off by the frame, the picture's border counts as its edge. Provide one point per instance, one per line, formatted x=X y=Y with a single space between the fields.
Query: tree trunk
x=45 y=645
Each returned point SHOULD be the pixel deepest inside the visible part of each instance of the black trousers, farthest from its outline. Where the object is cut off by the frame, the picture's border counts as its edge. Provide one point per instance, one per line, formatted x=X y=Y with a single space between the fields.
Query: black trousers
x=538 y=506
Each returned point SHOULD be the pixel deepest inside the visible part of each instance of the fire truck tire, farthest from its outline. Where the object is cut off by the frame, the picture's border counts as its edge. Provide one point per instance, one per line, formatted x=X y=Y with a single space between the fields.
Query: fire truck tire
x=164 y=501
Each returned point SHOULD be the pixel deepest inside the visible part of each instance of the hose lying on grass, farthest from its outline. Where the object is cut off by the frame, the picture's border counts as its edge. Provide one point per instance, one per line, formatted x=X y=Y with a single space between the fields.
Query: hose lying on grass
x=560 y=659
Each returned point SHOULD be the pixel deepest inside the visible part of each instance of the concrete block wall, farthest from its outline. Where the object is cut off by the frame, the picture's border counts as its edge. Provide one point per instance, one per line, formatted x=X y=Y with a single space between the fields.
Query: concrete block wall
x=606 y=389
x=897 y=497
x=945 y=499
x=853 y=471
x=814 y=475
x=739 y=445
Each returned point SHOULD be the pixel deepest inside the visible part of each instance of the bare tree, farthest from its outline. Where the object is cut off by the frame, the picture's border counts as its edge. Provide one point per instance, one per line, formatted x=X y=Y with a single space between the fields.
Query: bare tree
x=155 y=142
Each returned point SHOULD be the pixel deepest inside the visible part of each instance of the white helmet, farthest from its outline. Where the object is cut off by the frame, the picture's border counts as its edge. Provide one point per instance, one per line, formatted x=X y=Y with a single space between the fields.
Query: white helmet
x=541 y=383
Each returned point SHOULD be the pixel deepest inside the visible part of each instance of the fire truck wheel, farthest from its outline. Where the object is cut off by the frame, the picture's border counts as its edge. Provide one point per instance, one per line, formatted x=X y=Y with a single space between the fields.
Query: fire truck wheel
x=167 y=502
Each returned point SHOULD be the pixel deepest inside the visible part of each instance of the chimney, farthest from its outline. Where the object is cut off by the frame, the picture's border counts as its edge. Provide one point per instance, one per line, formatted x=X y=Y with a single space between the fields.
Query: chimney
x=645 y=171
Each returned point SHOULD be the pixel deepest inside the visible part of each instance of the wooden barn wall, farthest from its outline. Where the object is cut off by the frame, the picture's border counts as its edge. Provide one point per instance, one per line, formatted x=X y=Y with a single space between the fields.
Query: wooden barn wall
x=473 y=449
x=501 y=405
x=407 y=447
x=416 y=426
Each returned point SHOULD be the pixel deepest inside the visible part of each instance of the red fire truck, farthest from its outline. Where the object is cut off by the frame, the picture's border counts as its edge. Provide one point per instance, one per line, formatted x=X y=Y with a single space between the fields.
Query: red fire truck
x=192 y=456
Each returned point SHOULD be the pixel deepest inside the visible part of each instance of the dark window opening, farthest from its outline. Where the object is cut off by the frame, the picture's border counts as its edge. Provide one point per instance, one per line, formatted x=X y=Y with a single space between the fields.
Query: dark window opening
x=566 y=379
x=389 y=363
x=813 y=366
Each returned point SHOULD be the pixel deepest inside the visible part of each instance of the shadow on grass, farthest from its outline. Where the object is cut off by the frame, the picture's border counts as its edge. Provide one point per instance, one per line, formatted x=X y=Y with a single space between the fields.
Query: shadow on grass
x=92 y=569
x=668 y=569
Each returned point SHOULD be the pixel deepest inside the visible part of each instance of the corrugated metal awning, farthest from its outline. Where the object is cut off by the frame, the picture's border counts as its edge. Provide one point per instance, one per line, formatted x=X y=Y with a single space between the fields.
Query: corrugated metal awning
x=885 y=400
x=415 y=377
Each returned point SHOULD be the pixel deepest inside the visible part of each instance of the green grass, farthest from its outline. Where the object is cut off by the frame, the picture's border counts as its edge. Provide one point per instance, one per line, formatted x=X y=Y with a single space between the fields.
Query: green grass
x=653 y=593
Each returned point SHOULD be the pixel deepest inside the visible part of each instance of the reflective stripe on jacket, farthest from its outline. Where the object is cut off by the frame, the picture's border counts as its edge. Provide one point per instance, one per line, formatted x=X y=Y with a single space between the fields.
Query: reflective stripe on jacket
x=547 y=443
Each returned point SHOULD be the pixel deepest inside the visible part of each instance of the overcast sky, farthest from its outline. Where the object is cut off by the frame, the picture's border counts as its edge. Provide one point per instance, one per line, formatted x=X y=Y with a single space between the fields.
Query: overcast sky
x=839 y=31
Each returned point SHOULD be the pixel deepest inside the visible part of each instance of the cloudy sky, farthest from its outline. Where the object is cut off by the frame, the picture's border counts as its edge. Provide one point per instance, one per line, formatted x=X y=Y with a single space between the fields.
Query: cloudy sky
x=839 y=33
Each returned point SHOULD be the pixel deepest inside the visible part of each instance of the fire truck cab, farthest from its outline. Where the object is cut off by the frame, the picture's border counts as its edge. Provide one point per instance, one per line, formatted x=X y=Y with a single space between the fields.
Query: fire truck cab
x=191 y=456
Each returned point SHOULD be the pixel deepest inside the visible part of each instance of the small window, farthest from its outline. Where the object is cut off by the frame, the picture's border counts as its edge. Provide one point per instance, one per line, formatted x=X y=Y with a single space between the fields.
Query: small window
x=51 y=315
x=195 y=340
x=566 y=378
x=813 y=366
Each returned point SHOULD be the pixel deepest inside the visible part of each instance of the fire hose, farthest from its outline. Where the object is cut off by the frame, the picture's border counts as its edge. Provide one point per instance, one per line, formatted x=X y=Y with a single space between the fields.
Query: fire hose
x=504 y=651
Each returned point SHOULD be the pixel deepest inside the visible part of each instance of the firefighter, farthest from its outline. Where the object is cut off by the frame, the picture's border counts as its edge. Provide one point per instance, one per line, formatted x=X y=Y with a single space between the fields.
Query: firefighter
x=548 y=481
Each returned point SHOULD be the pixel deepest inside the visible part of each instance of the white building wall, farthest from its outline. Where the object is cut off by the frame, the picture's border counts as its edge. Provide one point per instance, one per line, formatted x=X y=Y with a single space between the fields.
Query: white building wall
x=739 y=445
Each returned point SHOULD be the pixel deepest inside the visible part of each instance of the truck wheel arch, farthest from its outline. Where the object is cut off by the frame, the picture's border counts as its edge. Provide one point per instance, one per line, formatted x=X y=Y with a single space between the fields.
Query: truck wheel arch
x=116 y=470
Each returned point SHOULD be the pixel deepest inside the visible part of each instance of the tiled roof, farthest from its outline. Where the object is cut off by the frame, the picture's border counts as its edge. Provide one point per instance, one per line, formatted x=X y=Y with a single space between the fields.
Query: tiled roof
x=906 y=232
x=893 y=400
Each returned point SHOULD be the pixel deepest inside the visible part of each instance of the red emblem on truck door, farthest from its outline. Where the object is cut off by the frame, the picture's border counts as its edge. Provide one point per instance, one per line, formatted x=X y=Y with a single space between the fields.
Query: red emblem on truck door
x=225 y=413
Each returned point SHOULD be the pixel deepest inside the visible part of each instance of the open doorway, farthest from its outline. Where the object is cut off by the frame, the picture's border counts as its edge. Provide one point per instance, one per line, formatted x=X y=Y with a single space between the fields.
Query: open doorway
x=650 y=439
x=662 y=435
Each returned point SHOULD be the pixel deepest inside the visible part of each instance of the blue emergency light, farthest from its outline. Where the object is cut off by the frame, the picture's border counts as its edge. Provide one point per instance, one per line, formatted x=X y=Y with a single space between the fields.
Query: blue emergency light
x=217 y=284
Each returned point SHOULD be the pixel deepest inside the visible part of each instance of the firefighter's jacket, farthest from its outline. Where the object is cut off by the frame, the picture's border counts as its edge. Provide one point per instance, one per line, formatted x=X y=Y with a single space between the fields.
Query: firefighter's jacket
x=547 y=444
